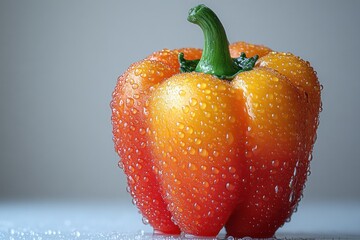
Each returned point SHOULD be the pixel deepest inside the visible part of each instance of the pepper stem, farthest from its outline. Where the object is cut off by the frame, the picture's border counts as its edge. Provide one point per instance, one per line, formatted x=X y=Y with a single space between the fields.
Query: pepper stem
x=216 y=59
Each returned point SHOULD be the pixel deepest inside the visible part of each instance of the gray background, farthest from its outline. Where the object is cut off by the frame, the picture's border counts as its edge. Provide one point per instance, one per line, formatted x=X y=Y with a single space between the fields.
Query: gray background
x=59 y=61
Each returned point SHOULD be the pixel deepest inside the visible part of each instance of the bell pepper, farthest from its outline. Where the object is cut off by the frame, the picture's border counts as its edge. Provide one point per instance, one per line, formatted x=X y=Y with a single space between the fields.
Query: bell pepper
x=213 y=138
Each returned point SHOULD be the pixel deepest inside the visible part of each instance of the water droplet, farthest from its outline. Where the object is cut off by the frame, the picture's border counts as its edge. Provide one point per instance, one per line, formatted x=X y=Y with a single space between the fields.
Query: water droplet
x=138 y=166
x=177 y=181
x=180 y=125
x=77 y=234
x=170 y=207
x=192 y=167
x=253 y=149
x=206 y=184
x=155 y=169
x=131 y=180
x=181 y=134
x=230 y=186
x=248 y=154
x=275 y=163
x=270 y=96
x=193 y=102
x=207 y=91
x=202 y=105
x=145 y=221
x=229 y=138
x=232 y=169
x=201 y=85
x=214 y=107
x=192 y=150
x=197 y=141
x=129 y=102
x=137 y=72
x=291 y=182
x=173 y=159
x=120 y=165
x=146 y=111
x=215 y=170
x=203 y=152
x=135 y=86
x=142 y=131
x=265 y=198
x=232 y=119
x=134 y=110
x=196 y=206
x=182 y=92
x=189 y=130
x=291 y=197
x=186 y=109
x=131 y=169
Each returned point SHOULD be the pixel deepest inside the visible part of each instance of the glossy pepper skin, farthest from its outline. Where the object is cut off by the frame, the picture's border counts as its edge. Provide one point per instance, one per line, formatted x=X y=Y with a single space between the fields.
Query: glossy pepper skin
x=217 y=141
x=129 y=113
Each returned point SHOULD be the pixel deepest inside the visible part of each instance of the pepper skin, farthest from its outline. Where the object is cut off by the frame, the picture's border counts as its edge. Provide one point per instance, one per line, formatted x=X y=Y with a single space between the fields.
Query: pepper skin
x=213 y=142
x=129 y=110
x=272 y=202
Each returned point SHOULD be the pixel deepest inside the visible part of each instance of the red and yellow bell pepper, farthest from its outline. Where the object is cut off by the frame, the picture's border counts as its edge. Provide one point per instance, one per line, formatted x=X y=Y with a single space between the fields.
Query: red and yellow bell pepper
x=212 y=138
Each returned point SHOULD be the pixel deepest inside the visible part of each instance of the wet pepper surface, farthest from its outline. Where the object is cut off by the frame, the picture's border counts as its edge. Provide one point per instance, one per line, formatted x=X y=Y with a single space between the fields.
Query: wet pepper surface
x=213 y=138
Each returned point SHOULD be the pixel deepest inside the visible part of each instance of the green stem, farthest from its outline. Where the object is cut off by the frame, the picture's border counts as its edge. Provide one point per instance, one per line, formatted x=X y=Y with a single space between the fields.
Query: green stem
x=216 y=58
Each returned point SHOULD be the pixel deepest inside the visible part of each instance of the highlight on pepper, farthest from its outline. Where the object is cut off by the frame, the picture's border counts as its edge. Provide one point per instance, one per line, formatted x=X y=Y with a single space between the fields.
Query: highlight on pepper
x=216 y=137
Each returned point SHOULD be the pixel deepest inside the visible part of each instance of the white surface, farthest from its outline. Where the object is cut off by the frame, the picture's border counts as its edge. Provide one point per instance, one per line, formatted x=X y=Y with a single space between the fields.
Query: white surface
x=111 y=220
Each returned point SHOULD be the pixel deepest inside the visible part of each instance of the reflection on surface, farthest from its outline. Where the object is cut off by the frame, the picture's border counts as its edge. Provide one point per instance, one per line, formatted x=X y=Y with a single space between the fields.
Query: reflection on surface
x=113 y=220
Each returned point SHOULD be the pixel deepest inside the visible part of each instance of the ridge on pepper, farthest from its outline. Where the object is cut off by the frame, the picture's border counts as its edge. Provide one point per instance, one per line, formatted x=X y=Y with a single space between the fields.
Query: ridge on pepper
x=216 y=137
